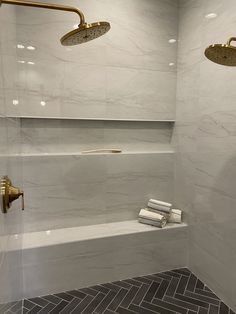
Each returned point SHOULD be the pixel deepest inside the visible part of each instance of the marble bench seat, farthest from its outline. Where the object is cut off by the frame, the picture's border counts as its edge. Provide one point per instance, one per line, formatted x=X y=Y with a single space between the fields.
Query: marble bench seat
x=72 y=258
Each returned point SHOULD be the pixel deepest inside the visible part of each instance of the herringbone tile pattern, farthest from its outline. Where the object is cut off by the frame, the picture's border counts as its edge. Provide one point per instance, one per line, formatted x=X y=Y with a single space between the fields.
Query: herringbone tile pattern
x=176 y=291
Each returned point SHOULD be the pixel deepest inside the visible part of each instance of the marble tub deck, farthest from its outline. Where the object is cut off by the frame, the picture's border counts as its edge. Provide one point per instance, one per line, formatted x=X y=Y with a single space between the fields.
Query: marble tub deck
x=176 y=291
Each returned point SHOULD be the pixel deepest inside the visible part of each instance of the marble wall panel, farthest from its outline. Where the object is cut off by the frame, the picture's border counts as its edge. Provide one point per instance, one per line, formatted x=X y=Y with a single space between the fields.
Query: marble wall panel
x=66 y=191
x=68 y=266
x=205 y=141
x=70 y=136
x=129 y=73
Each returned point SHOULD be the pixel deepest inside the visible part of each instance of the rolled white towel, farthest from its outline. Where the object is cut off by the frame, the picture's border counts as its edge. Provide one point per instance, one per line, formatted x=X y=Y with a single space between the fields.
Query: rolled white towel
x=165 y=214
x=153 y=218
x=157 y=202
x=152 y=222
x=159 y=207
x=175 y=216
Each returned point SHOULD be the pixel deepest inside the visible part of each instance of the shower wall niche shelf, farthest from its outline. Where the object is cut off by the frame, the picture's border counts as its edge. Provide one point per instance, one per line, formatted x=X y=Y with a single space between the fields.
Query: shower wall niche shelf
x=95 y=119
x=78 y=154
x=72 y=136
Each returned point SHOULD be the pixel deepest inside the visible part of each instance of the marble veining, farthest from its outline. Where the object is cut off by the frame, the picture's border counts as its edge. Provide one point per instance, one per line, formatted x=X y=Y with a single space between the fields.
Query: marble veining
x=11 y=289
x=96 y=254
x=83 y=233
x=69 y=136
x=90 y=189
x=125 y=74
x=205 y=144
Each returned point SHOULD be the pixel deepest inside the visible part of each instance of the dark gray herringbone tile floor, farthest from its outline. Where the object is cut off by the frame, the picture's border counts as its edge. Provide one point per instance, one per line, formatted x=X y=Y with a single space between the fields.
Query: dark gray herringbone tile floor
x=176 y=291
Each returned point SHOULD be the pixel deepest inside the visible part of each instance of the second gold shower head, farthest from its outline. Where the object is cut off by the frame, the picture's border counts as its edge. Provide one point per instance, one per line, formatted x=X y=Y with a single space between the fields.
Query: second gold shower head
x=223 y=54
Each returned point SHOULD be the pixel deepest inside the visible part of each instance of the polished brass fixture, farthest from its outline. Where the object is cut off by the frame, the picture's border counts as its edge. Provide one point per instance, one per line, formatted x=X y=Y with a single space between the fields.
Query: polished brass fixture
x=84 y=33
x=102 y=150
x=223 y=54
x=9 y=194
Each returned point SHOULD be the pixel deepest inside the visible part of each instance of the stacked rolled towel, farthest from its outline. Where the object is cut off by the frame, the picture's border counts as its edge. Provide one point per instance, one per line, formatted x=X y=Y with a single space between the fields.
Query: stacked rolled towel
x=160 y=206
x=159 y=213
x=152 y=218
x=175 y=216
x=166 y=215
x=172 y=215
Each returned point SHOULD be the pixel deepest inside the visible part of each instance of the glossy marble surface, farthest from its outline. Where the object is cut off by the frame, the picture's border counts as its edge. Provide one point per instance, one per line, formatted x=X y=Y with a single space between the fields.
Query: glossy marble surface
x=32 y=240
x=10 y=270
x=11 y=286
x=131 y=249
x=205 y=139
x=74 y=190
x=124 y=75
x=128 y=73
x=70 y=136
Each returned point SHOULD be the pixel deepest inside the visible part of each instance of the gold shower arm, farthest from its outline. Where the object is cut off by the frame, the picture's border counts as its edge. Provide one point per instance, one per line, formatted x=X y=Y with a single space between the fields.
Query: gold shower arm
x=230 y=40
x=46 y=6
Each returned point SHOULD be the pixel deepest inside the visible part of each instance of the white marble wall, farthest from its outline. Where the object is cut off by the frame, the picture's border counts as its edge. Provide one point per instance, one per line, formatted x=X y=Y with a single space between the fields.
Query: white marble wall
x=74 y=190
x=10 y=270
x=112 y=252
x=124 y=74
x=64 y=188
x=11 y=287
x=40 y=136
x=205 y=139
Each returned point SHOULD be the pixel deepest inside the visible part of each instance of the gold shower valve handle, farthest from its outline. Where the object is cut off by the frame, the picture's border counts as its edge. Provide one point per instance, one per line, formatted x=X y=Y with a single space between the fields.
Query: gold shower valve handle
x=9 y=194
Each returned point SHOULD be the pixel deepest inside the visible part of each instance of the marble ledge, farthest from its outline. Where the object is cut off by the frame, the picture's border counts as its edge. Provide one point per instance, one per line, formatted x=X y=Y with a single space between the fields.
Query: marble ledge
x=167 y=152
x=94 y=119
x=76 y=234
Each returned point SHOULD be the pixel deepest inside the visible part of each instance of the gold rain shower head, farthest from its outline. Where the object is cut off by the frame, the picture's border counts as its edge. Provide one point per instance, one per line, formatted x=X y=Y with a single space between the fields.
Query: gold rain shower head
x=223 y=54
x=84 y=33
